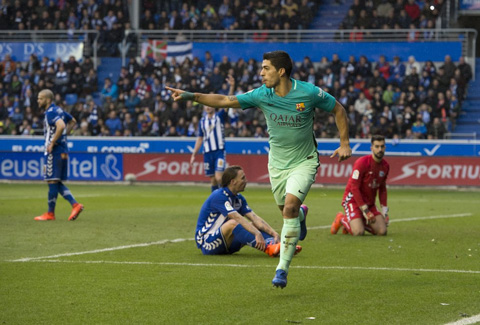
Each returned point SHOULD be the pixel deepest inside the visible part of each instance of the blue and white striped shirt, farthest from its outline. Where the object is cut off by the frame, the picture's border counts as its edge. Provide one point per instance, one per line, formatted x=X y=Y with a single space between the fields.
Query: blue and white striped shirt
x=213 y=131
x=52 y=115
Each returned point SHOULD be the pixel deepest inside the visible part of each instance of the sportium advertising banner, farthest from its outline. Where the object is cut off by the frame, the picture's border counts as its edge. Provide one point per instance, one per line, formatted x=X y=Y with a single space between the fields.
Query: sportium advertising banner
x=430 y=171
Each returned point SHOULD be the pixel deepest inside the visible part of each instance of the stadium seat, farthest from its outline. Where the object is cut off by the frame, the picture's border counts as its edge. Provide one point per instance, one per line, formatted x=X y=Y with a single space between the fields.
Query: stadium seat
x=71 y=99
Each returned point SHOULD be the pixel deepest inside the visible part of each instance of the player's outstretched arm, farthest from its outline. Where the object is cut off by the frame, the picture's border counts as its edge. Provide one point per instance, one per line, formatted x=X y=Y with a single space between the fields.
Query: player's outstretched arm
x=344 y=151
x=213 y=100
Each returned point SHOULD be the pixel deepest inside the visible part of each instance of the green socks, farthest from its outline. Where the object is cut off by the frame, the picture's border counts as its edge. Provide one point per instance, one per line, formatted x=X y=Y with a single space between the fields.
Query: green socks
x=289 y=240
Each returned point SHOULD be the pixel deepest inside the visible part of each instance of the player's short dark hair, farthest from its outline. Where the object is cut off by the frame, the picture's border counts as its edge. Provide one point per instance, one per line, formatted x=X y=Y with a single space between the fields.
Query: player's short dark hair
x=230 y=173
x=377 y=137
x=280 y=59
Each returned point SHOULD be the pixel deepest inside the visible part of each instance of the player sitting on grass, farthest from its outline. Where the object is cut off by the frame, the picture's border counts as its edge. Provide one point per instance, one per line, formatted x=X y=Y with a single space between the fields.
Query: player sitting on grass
x=221 y=226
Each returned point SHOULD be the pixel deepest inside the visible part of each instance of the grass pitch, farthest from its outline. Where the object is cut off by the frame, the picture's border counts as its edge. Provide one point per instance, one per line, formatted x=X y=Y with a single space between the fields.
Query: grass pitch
x=130 y=258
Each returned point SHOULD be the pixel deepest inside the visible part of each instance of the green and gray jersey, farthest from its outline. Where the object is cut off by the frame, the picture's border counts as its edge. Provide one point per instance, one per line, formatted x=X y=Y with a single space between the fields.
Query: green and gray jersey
x=289 y=120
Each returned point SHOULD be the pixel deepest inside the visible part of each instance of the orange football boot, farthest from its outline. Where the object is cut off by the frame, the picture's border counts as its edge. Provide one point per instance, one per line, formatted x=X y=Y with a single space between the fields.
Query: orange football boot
x=337 y=223
x=273 y=250
x=45 y=217
x=77 y=209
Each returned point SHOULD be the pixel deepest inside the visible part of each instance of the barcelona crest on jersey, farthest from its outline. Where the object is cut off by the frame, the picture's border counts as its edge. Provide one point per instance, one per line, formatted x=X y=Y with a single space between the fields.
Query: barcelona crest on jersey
x=300 y=107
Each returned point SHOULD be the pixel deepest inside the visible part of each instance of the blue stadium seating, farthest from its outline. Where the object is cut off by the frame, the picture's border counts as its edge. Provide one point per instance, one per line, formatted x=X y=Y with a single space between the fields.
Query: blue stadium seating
x=71 y=99
x=469 y=119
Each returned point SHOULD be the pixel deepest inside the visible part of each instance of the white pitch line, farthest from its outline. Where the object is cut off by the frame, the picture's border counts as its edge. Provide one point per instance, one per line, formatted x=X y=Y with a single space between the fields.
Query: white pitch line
x=27 y=259
x=317 y=267
x=459 y=215
x=471 y=320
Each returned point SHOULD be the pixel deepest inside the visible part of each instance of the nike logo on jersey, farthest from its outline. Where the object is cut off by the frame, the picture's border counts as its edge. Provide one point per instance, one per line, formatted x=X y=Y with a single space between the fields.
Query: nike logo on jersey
x=300 y=192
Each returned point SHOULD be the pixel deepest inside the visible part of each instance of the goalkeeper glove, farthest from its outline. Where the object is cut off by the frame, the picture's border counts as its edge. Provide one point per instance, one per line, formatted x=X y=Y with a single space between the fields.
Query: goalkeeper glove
x=369 y=216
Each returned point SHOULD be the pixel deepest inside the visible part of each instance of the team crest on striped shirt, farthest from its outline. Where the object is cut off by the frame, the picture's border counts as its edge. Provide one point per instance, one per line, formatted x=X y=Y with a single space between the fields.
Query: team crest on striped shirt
x=300 y=107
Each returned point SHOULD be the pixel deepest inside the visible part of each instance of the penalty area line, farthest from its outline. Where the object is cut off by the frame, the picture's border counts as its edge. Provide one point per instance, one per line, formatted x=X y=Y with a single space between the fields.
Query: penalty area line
x=161 y=242
x=466 y=321
x=317 y=267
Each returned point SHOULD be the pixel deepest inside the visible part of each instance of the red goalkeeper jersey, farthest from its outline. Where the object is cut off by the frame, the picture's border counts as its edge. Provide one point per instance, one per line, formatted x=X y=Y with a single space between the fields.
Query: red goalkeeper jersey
x=367 y=178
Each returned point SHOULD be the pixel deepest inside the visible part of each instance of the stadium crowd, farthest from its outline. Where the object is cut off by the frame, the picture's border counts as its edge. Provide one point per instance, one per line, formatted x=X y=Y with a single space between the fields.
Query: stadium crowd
x=397 y=14
x=396 y=97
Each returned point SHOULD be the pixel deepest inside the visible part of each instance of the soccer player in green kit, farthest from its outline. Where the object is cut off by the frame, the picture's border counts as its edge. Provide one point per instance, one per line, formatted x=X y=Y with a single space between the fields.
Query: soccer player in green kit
x=288 y=106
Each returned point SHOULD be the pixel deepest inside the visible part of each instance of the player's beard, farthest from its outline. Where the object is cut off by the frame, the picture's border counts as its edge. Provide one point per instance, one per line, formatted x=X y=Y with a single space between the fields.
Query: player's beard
x=379 y=155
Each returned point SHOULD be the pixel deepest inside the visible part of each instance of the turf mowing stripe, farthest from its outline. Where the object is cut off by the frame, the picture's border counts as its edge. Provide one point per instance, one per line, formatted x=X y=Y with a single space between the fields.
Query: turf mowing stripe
x=471 y=320
x=460 y=215
x=28 y=259
x=259 y=266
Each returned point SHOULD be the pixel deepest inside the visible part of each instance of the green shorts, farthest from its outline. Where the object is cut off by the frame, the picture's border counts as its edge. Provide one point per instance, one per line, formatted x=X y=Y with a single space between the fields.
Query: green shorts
x=296 y=181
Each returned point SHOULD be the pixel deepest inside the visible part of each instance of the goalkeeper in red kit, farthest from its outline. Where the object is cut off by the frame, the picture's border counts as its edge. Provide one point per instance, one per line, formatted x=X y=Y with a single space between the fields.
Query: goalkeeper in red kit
x=368 y=178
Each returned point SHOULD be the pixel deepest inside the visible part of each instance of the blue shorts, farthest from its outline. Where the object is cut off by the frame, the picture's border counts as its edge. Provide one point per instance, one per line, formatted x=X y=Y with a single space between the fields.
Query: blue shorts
x=56 y=167
x=214 y=161
x=215 y=245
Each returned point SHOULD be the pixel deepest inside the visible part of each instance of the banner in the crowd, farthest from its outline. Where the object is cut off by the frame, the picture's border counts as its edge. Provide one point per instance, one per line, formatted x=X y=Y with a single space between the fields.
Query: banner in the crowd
x=82 y=166
x=473 y=5
x=422 y=51
x=412 y=171
x=21 y=51
x=157 y=48
x=429 y=148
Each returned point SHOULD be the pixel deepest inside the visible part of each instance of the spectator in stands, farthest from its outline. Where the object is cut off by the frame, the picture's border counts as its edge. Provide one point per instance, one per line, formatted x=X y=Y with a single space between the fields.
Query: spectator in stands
x=419 y=129
x=412 y=63
x=361 y=104
x=113 y=123
x=397 y=71
x=436 y=130
x=110 y=90
x=61 y=81
x=364 y=128
x=399 y=127
x=413 y=10
x=76 y=81
x=465 y=69
x=91 y=82
x=412 y=79
x=448 y=66
x=7 y=66
x=441 y=82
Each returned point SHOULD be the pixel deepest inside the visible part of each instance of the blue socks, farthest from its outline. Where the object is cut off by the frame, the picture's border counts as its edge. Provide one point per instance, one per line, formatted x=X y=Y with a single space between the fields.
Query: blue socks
x=53 y=190
x=65 y=192
x=244 y=237
x=52 y=196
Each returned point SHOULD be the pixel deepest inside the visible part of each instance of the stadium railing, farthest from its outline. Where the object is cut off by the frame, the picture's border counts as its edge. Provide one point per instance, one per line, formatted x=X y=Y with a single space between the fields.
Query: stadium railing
x=454 y=136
